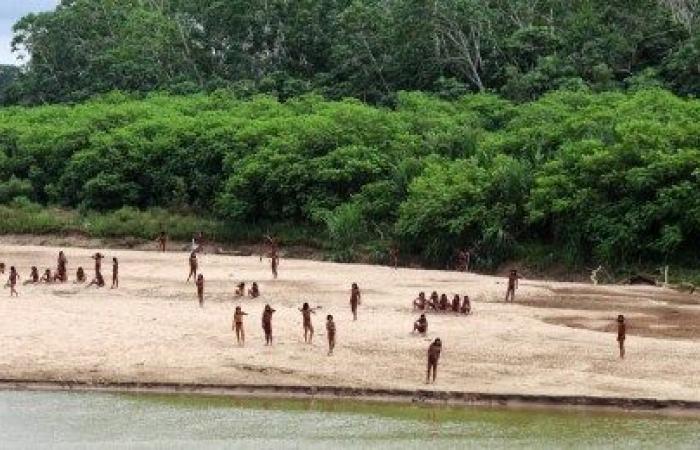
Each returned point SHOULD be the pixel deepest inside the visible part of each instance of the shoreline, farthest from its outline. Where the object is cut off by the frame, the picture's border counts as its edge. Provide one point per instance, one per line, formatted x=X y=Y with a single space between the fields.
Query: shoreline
x=377 y=395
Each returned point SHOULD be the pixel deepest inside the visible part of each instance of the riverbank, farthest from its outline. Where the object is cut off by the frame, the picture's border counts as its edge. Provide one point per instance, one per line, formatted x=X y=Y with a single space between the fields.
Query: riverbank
x=557 y=340
x=397 y=396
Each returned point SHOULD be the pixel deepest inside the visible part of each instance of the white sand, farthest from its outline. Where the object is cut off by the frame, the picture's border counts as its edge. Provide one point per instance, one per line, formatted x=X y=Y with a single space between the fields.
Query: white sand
x=151 y=329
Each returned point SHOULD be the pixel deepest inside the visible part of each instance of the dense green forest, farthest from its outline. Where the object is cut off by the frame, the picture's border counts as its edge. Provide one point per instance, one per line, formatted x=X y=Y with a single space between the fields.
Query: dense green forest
x=367 y=49
x=550 y=130
x=610 y=177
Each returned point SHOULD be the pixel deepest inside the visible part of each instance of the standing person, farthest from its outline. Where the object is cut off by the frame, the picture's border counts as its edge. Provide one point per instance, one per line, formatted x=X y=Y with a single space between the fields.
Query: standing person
x=267 y=324
x=306 y=312
x=200 y=289
x=330 y=331
x=115 y=273
x=199 y=241
x=238 y=325
x=394 y=256
x=61 y=271
x=98 y=262
x=33 y=276
x=12 y=281
x=274 y=263
x=461 y=261
x=512 y=285
x=621 y=334
x=162 y=240
x=355 y=299
x=193 y=266
x=433 y=358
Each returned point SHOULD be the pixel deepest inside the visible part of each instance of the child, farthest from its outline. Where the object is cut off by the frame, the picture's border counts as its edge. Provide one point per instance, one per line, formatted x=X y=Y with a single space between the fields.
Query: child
x=200 y=289
x=238 y=325
x=240 y=289
x=115 y=273
x=330 y=331
x=162 y=239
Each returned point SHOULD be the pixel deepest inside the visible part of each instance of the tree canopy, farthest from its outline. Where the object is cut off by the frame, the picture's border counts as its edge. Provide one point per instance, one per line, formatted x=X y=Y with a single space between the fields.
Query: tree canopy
x=367 y=49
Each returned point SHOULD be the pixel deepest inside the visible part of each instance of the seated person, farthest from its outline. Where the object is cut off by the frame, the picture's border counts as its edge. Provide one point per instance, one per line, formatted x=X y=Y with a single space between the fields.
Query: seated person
x=444 y=302
x=240 y=289
x=434 y=300
x=254 y=292
x=33 y=276
x=80 y=275
x=421 y=325
x=420 y=302
x=47 y=278
x=455 y=303
x=466 y=306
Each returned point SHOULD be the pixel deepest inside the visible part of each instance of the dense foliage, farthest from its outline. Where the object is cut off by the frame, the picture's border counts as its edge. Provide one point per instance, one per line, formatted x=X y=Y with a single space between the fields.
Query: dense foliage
x=367 y=49
x=608 y=177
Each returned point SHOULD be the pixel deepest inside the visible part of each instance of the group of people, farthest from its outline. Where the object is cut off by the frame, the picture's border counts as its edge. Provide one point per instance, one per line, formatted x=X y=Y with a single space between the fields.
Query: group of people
x=60 y=275
x=442 y=303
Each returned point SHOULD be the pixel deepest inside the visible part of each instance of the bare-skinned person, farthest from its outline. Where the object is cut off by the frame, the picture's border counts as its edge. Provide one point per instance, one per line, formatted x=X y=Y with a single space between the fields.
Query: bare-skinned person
x=200 y=289
x=115 y=273
x=434 y=351
x=274 y=264
x=306 y=312
x=456 y=303
x=98 y=262
x=512 y=285
x=61 y=268
x=47 y=277
x=33 y=276
x=420 y=302
x=421 y=325
x=466 y=306
x=12 y=281
x=330 y=332
x=434 y=301
x=355 y=299
x=254 y=291
x=394 y=256
x=80 y=275
x=444 y=302
x=98 y=281
x=267 y=324
x=193 y=266
x=238 y=325
x=240 y=289
x=621 y=334
x=2 y=268
x=162 y=240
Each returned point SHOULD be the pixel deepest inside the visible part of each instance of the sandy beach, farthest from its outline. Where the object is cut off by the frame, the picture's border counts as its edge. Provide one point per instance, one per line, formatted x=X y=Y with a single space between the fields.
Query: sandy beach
x=557 y=339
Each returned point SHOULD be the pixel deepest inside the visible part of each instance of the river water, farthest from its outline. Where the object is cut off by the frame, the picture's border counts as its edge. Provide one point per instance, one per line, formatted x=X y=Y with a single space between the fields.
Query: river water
x=105 y=421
